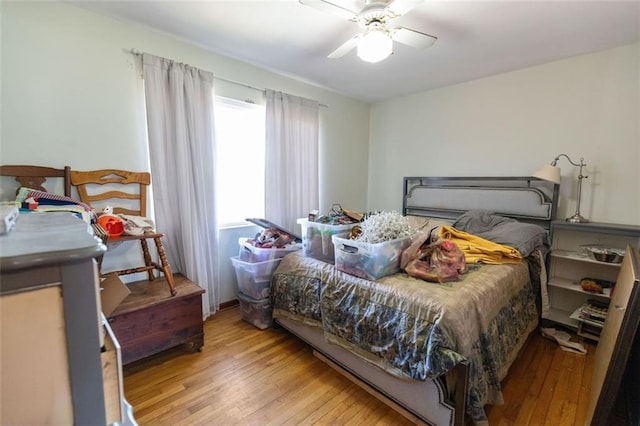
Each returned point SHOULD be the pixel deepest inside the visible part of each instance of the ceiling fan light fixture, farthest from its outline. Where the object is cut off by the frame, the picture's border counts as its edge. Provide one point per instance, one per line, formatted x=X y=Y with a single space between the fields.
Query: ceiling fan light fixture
x=375 y=45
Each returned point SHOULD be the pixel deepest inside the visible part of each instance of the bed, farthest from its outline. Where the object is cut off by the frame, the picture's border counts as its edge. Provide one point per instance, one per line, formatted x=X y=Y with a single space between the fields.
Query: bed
x=435 y=352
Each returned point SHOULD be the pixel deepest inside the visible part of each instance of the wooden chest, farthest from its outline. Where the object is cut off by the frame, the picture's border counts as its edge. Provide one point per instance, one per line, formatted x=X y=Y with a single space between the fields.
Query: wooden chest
x=150 y=320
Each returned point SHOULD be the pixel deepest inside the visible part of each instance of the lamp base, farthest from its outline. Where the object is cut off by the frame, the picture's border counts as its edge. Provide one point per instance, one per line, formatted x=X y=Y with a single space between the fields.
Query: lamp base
x=577 y=218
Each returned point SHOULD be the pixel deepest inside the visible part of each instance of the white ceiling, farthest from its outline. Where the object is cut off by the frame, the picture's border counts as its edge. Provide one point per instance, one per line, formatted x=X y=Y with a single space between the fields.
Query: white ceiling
x=475 y=38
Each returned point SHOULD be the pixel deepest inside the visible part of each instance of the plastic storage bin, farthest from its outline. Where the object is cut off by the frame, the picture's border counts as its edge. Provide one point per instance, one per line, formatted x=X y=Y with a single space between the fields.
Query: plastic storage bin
x=316 y=238
x=255 y=311
x=250 y=253
x=366 y=260
x=254 y=279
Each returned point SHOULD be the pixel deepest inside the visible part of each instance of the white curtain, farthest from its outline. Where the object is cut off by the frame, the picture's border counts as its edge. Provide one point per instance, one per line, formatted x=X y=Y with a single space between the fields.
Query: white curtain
x=291 y=177
x=179 y=100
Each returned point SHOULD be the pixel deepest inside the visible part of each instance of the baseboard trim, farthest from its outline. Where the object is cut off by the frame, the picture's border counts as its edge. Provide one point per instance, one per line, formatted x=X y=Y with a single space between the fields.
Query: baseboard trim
x=229 y=304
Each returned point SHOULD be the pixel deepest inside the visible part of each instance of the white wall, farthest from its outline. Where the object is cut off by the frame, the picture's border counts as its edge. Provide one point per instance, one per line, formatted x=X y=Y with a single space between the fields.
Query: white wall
x=511 y=124
x=72 y=95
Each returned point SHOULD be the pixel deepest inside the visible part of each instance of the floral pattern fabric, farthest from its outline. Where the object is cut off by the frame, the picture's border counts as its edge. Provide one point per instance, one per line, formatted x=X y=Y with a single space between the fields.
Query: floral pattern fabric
x=417 y=329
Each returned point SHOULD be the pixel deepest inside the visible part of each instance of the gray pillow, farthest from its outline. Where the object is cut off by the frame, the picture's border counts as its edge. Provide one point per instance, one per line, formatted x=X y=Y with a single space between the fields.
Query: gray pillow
x=525 y=237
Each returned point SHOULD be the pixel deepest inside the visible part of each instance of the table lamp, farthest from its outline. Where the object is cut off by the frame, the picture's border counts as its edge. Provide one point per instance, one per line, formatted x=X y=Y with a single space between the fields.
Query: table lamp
x=551 y=173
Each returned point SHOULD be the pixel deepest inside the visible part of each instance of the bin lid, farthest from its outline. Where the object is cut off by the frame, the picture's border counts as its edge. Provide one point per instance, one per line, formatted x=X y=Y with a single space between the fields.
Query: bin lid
x=266 y=224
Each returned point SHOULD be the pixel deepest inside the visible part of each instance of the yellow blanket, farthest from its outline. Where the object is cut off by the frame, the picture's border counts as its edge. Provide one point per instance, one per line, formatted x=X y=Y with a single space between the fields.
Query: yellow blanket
x=479 y=250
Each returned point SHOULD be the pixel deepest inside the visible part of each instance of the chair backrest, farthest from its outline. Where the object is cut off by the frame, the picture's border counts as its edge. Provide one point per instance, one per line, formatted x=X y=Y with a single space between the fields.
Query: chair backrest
x=123 y=190
x=34 y=177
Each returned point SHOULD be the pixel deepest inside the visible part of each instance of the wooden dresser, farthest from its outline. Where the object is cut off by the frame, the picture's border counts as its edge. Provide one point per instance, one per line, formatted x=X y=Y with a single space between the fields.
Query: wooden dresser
x=59 y=364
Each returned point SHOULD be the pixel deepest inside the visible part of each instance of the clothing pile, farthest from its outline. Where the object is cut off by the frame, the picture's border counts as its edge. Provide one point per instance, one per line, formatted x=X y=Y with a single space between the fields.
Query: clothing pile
x=439 y=261
x=41 y=201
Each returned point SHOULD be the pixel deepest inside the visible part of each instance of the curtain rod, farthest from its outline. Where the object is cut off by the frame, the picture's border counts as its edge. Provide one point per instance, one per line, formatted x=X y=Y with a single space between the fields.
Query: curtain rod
x=136 y=52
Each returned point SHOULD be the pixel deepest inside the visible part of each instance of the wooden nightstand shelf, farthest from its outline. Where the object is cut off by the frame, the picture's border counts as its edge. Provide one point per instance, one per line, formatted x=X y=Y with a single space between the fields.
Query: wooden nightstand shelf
x=569 y=262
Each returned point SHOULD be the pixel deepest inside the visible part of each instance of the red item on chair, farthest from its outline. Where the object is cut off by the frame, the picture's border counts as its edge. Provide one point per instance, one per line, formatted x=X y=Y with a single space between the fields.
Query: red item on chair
x=112 y=225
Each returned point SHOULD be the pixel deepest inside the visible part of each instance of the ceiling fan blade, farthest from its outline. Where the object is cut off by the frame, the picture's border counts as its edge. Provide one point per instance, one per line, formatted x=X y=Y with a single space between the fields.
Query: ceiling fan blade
x=326 y=6
x=412 y=38
x=345 y=48
x=400 y=7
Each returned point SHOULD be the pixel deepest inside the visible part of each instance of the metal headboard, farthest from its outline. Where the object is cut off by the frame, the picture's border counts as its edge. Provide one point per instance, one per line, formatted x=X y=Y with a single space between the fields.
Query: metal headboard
x=527 y=199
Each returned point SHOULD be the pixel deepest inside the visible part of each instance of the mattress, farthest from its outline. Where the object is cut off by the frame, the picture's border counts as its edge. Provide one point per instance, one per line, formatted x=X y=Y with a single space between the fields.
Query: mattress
x=415 y=329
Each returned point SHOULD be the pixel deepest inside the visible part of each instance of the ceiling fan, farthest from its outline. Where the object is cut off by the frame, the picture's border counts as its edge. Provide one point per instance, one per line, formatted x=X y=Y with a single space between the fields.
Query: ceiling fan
x=375 y=43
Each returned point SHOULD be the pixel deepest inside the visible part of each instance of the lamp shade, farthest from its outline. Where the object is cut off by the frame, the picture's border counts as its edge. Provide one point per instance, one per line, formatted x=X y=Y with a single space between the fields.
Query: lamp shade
x=375 y=45
x=548 y=172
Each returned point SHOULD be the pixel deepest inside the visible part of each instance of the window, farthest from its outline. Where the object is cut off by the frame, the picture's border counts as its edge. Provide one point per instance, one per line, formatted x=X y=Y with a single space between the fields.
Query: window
x=240 y=145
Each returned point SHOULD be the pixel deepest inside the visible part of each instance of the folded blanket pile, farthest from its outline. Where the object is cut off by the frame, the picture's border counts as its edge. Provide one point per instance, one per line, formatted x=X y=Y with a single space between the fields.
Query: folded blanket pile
x=46 y=202
x=479 y=250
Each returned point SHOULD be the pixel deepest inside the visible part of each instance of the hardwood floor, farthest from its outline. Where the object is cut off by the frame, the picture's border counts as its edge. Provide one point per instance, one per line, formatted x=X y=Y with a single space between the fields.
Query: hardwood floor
x=247 y=376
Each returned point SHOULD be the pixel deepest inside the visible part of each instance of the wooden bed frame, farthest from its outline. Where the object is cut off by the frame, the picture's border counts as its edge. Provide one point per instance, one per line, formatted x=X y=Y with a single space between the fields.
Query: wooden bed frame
x=432 y=402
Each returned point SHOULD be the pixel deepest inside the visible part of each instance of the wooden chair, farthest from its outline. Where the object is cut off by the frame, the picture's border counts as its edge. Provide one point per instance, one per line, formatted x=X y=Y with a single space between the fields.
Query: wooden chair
x=34 y=177
x=126 y=192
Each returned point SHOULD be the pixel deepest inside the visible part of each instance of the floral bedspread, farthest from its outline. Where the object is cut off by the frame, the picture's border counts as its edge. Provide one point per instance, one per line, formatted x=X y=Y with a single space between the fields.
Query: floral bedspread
x=413 y=328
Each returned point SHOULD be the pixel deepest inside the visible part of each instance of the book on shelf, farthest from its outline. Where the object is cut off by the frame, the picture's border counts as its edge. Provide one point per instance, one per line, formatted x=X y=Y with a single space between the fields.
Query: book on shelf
x=593 y=311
